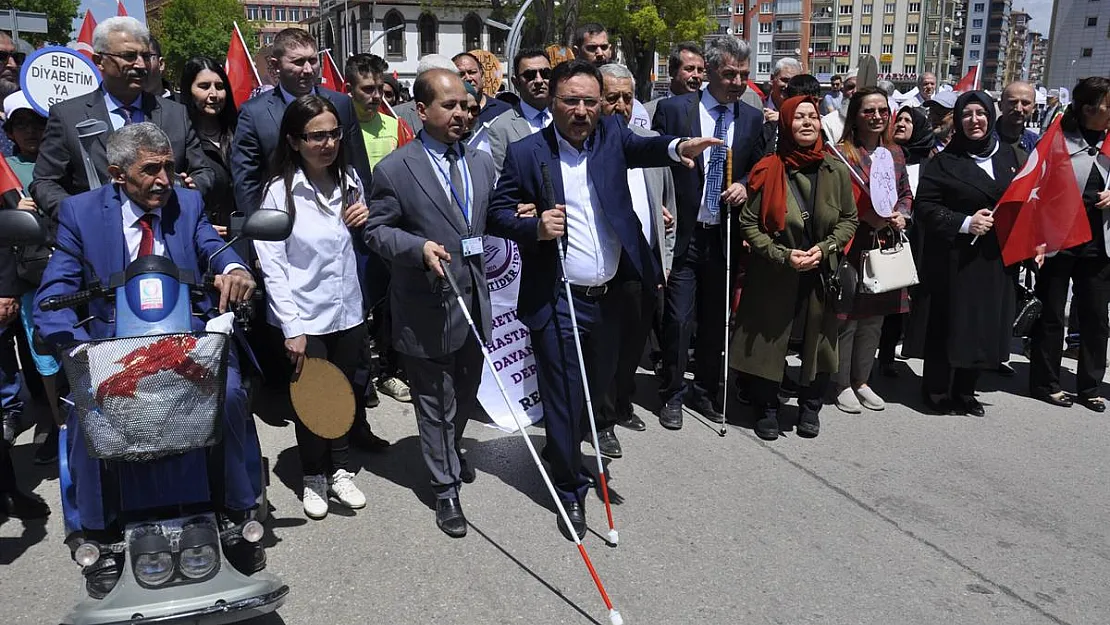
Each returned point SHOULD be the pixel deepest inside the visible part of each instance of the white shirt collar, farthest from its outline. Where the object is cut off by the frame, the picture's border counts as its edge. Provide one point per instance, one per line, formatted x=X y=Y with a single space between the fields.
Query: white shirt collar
x=302 y=181
x=132 y=212
x=564 y=144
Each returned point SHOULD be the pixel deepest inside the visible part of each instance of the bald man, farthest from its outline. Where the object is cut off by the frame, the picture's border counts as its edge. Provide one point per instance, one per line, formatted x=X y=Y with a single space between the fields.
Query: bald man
x=1019 y=101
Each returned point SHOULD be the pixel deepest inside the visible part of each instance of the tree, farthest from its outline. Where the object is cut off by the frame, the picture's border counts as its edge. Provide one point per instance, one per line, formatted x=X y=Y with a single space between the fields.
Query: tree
x=189 y=28
x=643 y=26
x=59 y=19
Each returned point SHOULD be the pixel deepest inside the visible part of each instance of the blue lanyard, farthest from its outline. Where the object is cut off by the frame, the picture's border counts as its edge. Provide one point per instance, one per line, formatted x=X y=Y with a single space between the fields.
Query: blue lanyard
x=464 y=203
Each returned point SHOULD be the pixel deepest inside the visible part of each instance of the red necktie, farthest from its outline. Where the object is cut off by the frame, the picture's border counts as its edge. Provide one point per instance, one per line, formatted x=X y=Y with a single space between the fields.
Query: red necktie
x=146 y=244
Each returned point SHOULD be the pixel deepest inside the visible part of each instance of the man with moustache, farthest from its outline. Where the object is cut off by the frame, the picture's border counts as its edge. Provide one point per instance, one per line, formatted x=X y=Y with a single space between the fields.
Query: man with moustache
x=121 y=50
x=531 y=74
x=1019 y=101
x=470 y=70
x=427 y=206
x=926 y=87
x=586 y=159
x=941 y=117
x=686 y=67
x=696 y=288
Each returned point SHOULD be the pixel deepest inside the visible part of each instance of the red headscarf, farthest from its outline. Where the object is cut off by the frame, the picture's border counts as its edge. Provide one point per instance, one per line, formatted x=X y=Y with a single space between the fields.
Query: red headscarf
x=769 y=174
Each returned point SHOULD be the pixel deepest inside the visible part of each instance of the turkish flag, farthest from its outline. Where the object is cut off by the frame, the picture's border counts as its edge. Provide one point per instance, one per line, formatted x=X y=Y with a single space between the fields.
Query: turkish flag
x=240 y=69
x=11 y=189
x=121 y=11
x=84 y=36
x=969 y=82
x=1105 y=151
x=330 y=76
x=757 y=90
x=1043 y=205
x=404 y=131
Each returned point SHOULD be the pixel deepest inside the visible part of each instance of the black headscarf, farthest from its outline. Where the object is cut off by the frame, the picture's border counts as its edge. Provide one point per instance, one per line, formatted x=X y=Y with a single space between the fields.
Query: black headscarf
x=921 y=142
x=960 y=143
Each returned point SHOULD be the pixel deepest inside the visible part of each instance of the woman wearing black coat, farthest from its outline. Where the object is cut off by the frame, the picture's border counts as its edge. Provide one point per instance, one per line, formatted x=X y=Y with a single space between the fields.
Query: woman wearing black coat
x=206 y=94
x=968 y=292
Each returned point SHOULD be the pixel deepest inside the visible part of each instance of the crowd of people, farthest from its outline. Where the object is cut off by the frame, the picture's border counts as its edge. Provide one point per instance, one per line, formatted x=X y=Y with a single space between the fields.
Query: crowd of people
x=632 y=203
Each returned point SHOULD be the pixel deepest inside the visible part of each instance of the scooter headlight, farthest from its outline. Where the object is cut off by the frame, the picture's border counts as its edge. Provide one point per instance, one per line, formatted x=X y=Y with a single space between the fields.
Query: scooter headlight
x=200 y=553
x=87 y=553
x=152 y=560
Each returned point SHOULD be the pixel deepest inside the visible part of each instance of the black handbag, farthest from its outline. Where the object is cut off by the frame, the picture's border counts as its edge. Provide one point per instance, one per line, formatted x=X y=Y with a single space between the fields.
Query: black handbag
x=1029 y=308
x=841 y=285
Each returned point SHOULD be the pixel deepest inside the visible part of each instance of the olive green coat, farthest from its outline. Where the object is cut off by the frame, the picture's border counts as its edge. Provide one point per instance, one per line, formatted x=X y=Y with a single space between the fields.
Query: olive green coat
x=767 y=303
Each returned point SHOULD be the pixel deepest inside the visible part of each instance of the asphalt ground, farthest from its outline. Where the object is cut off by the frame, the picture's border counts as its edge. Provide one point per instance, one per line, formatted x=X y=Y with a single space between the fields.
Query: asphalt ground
x=891 y=518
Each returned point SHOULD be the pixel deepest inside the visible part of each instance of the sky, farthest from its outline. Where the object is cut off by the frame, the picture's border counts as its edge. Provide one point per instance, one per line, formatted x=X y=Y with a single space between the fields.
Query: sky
x=1040 y=14
x=103 y=9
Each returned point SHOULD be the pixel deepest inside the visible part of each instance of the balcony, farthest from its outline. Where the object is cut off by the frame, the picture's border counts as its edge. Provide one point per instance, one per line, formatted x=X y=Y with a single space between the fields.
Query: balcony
x=723 y=10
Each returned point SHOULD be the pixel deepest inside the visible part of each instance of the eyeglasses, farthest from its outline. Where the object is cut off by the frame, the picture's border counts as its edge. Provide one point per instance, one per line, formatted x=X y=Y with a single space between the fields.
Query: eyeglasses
x=131 y=57
x=850 y=87
x=530 y=74
x=18 y=56
x=590 y=103
x=884 y=112
x=320 y=137
x=613 y=98
x=594 y=47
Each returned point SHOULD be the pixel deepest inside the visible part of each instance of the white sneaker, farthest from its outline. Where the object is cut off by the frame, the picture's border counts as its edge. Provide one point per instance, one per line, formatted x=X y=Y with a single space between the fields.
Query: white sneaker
x=846 y=401
x=342 y=485
x=315 y=496
x=396 y=389
x=869 y=398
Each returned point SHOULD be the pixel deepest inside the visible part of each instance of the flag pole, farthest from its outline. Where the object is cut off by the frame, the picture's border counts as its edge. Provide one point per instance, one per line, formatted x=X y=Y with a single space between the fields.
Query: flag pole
x=239 y=34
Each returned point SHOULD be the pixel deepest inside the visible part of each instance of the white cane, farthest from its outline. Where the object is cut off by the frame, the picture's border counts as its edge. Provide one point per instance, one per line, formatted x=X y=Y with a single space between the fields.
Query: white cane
x=549 y=197
x=614 y=614
x=728 y=295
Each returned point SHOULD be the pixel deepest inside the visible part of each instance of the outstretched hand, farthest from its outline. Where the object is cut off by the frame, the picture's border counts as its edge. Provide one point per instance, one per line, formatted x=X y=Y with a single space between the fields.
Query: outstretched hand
x=692 y=147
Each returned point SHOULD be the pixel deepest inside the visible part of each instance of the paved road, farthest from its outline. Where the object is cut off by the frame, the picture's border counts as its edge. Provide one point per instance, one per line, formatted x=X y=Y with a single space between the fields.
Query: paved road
x=886 y=518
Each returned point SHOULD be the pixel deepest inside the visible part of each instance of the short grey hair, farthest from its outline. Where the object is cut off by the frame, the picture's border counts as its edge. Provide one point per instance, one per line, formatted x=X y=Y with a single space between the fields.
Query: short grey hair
x=125 y=144
x=118 y=24
x=787 y=62
x=435 y=61
x=616 y=70
x=726 y=46
x=886 y=86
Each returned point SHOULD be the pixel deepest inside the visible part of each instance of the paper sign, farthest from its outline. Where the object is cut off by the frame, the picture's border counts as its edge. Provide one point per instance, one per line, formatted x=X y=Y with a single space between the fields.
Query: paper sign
x=56 y=74
x=884 y=183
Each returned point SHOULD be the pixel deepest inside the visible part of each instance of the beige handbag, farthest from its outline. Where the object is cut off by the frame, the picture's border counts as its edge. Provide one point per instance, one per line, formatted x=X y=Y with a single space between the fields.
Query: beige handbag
x=887 y=269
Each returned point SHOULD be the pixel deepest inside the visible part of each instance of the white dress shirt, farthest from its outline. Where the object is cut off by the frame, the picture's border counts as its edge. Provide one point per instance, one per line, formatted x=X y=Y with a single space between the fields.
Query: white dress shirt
x=637 y=187
x=593 y=249
x=133 y=232
x=537 y=119
x=312 y=283
x=708 y=125
x=437 y=156
x=986 y=163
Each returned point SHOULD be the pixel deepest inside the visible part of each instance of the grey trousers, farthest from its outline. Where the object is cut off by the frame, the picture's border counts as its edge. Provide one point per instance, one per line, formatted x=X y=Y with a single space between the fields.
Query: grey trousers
x=856 y=345
x=444 y=395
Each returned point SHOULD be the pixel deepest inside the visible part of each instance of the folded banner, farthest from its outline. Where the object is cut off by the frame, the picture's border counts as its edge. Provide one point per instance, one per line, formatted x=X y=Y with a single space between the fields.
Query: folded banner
x=509 y=345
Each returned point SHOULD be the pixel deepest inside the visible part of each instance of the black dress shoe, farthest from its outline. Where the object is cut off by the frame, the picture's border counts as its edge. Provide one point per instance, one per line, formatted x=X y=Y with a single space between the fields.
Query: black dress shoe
x=246 y=557
x=466 y=472
x=670 y=416
x=608 y=444
x=1059 y=398
x=969 y=406
x=767 y=428
x=22 y=506
x=1096 y=404
x=938 y=406
x=632 y=422
x=10 y=425
x=101 y=576
x=577 y=514
x=449 y=517
x=809 y=424
x=705 y=407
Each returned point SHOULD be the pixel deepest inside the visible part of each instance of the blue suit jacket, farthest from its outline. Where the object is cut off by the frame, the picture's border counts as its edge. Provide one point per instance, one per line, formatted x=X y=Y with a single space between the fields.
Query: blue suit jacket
x=680 y=116
x=91 y=224
x=613 y=150
x=256 y=141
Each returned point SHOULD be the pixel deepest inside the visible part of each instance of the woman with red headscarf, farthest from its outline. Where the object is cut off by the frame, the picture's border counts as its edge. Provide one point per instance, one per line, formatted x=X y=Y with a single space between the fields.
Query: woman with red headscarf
x=799 y=216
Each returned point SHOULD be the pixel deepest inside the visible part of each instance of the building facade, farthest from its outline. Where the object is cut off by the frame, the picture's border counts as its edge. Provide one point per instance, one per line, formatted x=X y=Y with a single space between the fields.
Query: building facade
x=1080 y=36
x=272 y=16
x=1037 y=53
x=987 y=43
x=1016 y=67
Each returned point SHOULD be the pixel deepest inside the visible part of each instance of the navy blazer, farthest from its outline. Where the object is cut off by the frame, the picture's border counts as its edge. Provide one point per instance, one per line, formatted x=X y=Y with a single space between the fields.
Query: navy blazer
x=256 y=141
x=681 y=116
x=613 y=150
x=91 y=224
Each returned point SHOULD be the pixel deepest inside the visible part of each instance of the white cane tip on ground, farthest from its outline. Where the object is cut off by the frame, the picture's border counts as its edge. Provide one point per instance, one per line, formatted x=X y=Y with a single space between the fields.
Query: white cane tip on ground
x=615 y=617
x=614 y=538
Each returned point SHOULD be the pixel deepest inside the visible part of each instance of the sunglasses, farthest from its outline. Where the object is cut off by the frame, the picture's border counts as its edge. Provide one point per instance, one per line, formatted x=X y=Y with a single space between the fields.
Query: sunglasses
x=132 y=57
x=18 y=56
x=530 y=74
x=884 y=112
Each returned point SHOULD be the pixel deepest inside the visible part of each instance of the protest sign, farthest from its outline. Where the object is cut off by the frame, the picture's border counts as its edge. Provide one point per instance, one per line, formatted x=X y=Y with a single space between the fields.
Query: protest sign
x=56 y=74
x=884 y=183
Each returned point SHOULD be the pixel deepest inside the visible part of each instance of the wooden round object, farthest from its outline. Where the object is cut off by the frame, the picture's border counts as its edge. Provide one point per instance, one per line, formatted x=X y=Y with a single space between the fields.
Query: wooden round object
x=323 y=399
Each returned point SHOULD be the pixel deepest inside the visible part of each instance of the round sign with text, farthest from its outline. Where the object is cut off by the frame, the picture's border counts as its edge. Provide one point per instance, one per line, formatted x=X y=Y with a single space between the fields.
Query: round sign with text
x=56 y=74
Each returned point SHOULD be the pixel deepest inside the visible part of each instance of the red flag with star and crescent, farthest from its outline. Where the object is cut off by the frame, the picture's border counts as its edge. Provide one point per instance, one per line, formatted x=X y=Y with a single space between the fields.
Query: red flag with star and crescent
x=1043 y=206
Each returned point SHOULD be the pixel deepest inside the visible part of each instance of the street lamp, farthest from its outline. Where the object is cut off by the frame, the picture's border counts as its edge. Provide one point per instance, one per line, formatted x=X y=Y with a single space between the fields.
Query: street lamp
x=383 y=34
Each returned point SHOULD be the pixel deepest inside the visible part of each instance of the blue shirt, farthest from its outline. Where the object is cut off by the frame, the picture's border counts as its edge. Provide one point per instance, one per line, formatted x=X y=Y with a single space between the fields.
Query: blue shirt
x=115 y=115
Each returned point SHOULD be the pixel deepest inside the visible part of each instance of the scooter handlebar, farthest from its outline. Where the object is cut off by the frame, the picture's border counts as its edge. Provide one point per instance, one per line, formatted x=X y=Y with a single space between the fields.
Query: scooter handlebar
x=58 y=302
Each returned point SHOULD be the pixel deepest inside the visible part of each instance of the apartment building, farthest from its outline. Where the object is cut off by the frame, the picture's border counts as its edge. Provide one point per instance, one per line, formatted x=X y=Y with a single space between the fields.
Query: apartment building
x=987 y=43
x=1080 y=36
x=1016 y=67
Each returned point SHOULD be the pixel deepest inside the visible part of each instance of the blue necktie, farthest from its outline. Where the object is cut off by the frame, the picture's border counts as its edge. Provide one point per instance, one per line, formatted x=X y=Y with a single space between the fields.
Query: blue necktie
x=716 y=175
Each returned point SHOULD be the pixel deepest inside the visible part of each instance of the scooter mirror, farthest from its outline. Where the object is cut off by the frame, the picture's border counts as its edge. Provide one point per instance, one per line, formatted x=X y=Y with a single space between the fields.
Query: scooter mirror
x=268 y=225
x=18 y=227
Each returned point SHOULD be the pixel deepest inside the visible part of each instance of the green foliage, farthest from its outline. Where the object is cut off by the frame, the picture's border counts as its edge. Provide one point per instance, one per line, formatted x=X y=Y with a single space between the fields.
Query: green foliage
x=189 y=28
x=59 y=19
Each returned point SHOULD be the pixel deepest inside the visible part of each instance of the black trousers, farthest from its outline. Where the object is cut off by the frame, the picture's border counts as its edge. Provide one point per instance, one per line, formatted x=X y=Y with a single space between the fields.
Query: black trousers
x=938 y=376
x=764 y=394
x=637 y=315
x=888 y=340
x=320 y=456
x=1090 y=277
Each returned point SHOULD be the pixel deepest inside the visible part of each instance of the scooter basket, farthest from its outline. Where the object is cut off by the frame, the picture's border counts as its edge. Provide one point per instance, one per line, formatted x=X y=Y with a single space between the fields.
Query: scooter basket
x=147 y=397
